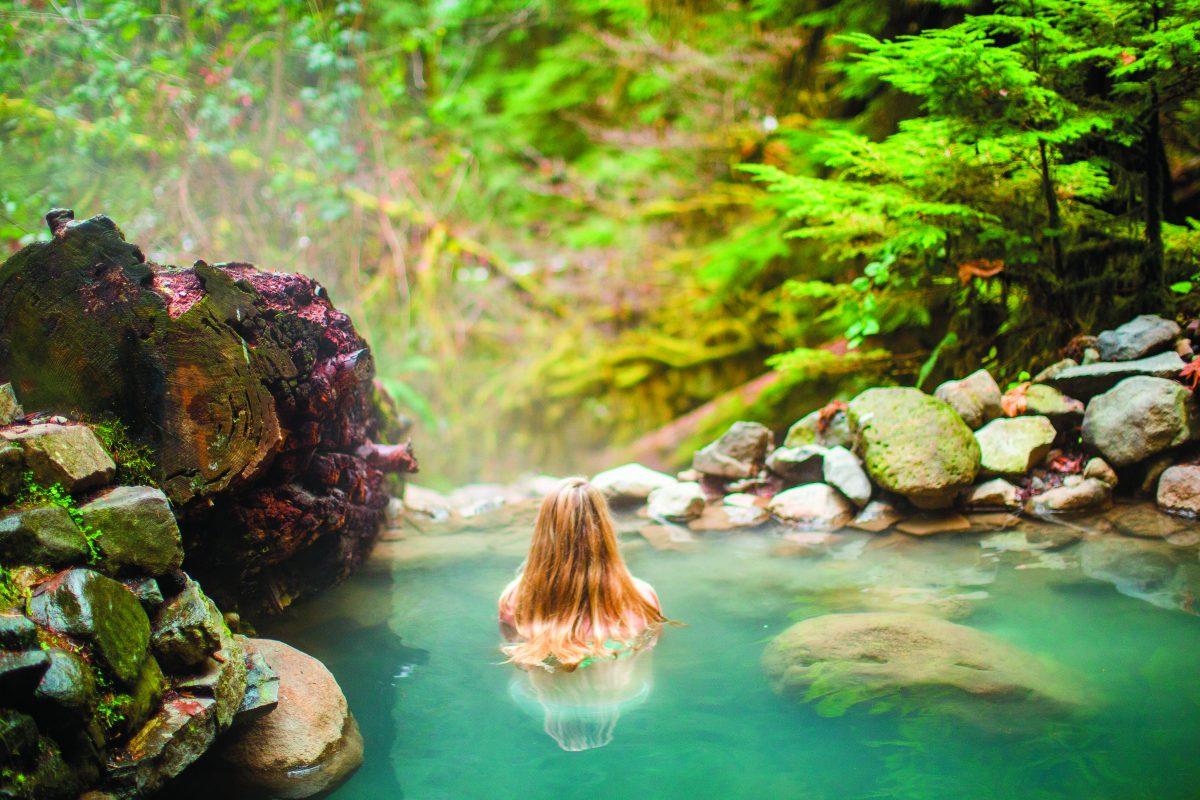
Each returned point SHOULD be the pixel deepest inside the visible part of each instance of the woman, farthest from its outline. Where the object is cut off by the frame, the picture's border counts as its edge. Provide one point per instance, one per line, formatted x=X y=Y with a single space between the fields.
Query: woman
x=575 y=601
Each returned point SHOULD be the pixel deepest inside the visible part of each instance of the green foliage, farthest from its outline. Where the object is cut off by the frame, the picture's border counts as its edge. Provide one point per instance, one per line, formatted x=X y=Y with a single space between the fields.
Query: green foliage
x=36 y=494
x=11 y=594
x=134 y=460
x=109 y=710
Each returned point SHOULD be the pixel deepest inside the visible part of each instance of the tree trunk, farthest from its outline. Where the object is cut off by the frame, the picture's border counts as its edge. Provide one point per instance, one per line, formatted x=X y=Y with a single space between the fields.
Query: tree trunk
x=254 y=392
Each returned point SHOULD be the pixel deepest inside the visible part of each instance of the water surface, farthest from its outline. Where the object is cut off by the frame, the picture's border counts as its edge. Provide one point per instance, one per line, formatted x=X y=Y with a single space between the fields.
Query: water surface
x=413 y=641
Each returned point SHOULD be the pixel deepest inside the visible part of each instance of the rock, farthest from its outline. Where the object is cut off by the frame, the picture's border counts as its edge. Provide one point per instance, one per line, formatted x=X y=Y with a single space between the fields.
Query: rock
x=994 y=494
x=45 y=775
x=1137 y=418
x=187 y=630
x=1137 y=567
x=68 y=684
x=1145 y=521
x=309 y=743
x=181 y=731
x=45 y=535
x=678 y=502
x=221 y=677
x=12 y=469
x=1086 y=381
x=16 y=631
x=739 y=453
x=1090 y=356
x=1089 y=494
x=936 y=665
x=1140 y=337
x=1151 y=472
x=67 y=454
x=843 y=471
x=915 y=445
x=728 y=517
x=630 y=482
x=85 y=604
x=666 y=537
x=262 y=688
x=976 y=397
x=18 y=737
x=147 y=591
x=138 y=532
x=1046 y=375
x=426 y=502
x=10 y=407
x=1013 y=445
x=1179 y=489
x=814 y=506
x=141 y=701
x=1099 y=469
x=803 y=544
x=21 y=671
x=834 y=431
x=878 y=515
x=932 y=524
x=803 y=464
x=1046 y=401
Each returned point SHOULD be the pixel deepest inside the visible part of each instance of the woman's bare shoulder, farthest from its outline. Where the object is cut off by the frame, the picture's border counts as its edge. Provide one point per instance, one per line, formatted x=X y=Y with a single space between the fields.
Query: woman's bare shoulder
x=647 y=592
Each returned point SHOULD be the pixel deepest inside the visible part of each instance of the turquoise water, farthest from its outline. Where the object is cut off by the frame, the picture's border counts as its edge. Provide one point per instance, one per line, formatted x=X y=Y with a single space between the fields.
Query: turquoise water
x=413 y=642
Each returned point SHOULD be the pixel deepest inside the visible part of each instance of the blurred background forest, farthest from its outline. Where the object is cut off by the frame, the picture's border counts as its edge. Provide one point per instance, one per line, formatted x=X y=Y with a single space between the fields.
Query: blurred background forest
x=585 y=229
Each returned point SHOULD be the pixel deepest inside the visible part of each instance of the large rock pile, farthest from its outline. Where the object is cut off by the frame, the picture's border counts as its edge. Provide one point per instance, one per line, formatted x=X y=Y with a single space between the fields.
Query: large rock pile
x=1056 y=445
x=116 y=670
x=254 y=394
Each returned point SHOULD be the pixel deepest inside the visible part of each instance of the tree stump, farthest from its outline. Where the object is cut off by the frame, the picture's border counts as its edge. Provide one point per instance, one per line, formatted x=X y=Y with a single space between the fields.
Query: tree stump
x=254 y=392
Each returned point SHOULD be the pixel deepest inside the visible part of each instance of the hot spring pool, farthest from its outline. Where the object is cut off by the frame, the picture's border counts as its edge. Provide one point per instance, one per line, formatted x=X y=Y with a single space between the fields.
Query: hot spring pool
x=413 y=642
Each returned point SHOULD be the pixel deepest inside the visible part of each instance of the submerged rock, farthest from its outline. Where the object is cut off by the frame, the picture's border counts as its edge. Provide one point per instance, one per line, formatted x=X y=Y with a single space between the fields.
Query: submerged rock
x=1140 y=337
x=739 y=453
x=976 y=397
x=630 y=482
x=67 y=454
x=138 y=532
x=308 y=743
x=1088 y=494
x=996 y=494
x=877 y=515
x=931 y=524
x=1138 y=418
x=814 y=506
x=1179 y=489
x=677 y=502
x=1086 y=381
x=43 y=535
x=914 y=445
x=85 y=604
x=1010 y=447
x=841 y=660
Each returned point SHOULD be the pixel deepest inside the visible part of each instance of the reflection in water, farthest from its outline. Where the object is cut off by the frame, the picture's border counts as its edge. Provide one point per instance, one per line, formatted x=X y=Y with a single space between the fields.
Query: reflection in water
x=580 y=709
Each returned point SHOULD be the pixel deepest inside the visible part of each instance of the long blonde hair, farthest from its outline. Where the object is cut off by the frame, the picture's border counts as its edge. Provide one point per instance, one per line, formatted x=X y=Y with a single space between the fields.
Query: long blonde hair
x=575 y=593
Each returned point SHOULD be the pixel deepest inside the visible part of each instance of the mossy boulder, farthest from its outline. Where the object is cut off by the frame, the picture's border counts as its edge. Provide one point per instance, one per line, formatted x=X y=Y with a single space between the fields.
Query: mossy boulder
x=1138 y=418
x=187 y=629
x=830 y=430
x=1010 y=447
x=138 y=532
x=99 y=610
x=914 y=444
x=70 y=455
x=141 y=701
x=891 y=658
x=44 y=535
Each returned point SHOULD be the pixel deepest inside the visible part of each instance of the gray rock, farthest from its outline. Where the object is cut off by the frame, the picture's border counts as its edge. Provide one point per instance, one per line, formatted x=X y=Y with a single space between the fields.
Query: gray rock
x=16 y=631
x=976 y=397
x=843 y=471
x=138 y=532
x=678 y=502
x=1098 y=468
x=10 y=407
x=187 y=629
x=180 y=732
x=1046 y=401
x=813 y=506
x=1179 y=489
x=1011 y=446
x=1086 y=381
x=68 y=684
x=262 y=688
x=85 y=604
x=20 y=671
x=1089 y=494
x=914 y=445
x=1140 y=337
x=1138 y=418
x=222 y=677
x=739 y=453
x=630 y=482
x=67 y=454
x=878 y=515
x=803 y=464
x=996 y=494
x=147 y=591
x=917 y=658
x=1051 y=371
x=833 y=432
x=43 y=535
